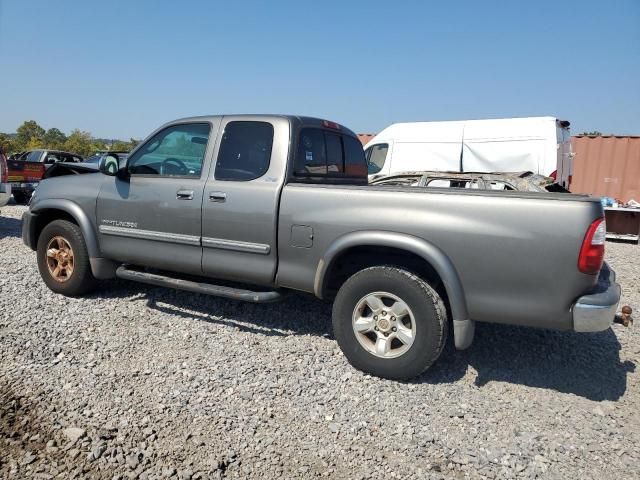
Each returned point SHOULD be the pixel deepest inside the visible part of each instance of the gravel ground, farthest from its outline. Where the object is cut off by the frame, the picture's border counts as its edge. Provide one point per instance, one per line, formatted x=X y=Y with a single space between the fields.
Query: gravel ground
x=143 y=382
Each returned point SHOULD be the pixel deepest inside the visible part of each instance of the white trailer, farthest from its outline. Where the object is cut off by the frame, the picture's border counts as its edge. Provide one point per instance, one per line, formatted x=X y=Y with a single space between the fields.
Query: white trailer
x=538 y=144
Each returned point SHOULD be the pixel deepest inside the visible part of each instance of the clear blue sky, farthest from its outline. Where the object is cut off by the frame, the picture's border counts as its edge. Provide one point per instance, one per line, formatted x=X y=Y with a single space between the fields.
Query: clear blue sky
x=120 y=68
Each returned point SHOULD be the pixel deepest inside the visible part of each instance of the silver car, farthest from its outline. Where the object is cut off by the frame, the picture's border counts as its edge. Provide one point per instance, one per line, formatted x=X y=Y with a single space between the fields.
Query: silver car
x=275 y=204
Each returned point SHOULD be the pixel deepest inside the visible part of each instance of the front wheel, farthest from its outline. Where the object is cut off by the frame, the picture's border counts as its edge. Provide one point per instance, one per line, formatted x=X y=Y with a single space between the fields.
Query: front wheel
x=389 y=322
x=63 y=259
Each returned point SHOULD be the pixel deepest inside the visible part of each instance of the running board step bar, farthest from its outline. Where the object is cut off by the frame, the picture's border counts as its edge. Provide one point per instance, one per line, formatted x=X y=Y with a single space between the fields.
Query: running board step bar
x=198 y=287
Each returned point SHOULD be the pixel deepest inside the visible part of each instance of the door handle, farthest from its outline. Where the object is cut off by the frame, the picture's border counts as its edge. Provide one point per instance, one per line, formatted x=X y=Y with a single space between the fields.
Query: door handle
x=217 y=197
x=184 y=194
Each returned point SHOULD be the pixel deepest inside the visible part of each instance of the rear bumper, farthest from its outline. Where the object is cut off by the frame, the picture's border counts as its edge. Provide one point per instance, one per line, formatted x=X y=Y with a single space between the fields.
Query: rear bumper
x=595 y=312
x=28 y=229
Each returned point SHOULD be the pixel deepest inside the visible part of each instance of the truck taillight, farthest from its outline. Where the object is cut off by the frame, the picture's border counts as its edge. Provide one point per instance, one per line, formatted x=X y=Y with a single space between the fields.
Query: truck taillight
x=592 y=250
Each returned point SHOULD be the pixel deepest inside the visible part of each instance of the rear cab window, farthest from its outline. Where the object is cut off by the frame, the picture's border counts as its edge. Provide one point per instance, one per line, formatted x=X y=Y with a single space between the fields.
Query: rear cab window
x=327 y=154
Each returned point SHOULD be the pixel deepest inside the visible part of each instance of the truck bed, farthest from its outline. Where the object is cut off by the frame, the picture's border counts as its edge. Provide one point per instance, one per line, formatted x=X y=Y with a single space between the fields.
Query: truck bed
x=493 y=236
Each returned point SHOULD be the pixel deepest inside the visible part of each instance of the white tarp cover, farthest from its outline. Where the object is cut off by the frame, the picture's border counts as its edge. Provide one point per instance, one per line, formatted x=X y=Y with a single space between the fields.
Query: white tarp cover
x=496 y=156
x=509 y=145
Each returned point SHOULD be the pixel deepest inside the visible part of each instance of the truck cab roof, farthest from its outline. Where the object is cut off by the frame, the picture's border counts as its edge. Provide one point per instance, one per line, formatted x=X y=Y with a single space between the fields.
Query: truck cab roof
x=310 y=153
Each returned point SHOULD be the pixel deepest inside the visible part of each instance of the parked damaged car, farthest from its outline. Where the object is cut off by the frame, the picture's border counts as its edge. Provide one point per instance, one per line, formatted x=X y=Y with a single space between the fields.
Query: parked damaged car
x=514 y=181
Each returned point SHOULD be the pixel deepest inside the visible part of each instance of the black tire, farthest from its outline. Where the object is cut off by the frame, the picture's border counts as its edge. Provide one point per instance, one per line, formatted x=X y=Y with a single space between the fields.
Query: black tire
x=21 y=198
x=428 y=311
x=80 y=280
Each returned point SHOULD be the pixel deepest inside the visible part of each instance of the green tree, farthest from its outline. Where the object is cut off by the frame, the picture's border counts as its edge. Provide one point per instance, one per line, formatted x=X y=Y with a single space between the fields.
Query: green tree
x=79 y=142
x=119 y=145
x=28 y=130
x=6 y=143
x=54 y=138
x=34 y=143
x=97 y=146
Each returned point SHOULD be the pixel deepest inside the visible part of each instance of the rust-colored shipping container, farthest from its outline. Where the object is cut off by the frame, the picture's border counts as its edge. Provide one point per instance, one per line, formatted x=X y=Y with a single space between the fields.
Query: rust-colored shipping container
x=365 y=137
x=607 y=165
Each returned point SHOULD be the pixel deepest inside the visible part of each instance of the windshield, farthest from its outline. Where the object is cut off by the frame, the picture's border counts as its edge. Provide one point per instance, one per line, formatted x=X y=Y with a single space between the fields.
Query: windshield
x=376 y=156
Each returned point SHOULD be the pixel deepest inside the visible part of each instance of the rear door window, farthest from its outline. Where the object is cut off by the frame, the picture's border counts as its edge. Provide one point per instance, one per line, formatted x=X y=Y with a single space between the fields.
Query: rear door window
x=245 y=151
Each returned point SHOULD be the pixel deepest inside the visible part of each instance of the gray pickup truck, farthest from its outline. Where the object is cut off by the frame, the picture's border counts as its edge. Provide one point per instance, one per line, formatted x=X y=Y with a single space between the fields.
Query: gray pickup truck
x=249 y=207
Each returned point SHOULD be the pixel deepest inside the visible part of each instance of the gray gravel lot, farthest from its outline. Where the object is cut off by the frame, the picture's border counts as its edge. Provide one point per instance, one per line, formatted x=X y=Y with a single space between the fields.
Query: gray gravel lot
x=143 y=382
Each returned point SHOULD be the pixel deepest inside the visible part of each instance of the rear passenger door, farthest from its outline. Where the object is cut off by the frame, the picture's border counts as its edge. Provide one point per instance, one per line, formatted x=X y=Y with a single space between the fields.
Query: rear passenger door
x=240 y=204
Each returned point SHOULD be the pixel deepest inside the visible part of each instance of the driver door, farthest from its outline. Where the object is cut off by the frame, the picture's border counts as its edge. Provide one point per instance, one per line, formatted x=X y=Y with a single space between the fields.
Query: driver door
x=153 y=216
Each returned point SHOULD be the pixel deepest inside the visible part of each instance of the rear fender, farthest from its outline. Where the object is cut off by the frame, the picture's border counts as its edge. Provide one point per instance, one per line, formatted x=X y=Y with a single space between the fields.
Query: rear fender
x=462 y=325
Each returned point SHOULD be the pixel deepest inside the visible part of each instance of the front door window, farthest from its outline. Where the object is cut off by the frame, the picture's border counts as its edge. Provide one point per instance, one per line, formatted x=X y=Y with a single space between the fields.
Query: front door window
x=176 y=151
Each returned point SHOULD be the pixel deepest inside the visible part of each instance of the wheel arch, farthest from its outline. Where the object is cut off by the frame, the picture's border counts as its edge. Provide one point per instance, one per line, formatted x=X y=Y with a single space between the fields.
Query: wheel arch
x=60 y=209
x=432 y=256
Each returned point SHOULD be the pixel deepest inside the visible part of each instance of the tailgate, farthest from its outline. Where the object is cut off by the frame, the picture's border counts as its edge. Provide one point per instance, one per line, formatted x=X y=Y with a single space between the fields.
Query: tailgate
x=25 y=171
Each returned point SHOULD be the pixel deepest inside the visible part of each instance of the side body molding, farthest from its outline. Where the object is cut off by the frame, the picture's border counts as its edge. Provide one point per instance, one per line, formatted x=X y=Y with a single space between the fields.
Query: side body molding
x=463 y=327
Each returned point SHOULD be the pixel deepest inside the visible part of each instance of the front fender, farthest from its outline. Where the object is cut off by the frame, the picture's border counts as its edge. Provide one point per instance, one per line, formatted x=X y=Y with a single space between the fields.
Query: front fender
x=81 y=218
x=463 y=326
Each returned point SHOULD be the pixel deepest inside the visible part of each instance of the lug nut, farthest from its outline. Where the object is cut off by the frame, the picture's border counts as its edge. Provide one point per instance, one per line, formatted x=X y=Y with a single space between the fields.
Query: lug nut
x=375 y=328
x=375 y=317
x=393 y=319
x=386 y=334
x=384 y=313
x=394 y=329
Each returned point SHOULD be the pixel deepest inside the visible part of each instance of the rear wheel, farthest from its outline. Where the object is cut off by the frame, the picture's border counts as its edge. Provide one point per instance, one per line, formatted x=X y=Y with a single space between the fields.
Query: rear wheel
x=389 y=322
x=63 y=259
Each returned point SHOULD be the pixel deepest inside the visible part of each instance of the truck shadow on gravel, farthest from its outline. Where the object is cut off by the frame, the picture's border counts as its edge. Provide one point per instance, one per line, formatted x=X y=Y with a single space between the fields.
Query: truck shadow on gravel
x=583 y=364
x=10 y=227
